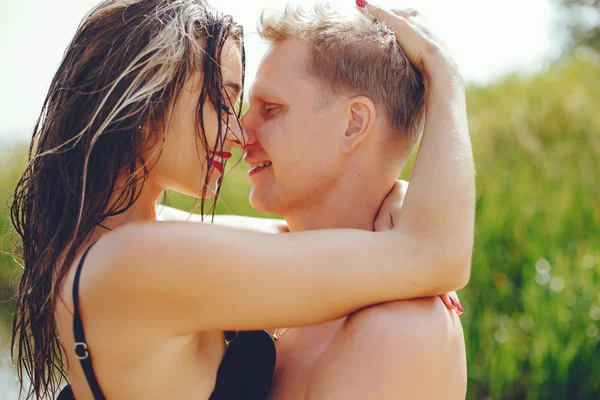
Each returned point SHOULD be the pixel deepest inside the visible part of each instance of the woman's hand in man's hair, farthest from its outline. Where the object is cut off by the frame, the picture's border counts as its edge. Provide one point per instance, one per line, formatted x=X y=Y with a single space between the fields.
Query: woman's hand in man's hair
x=424 y=49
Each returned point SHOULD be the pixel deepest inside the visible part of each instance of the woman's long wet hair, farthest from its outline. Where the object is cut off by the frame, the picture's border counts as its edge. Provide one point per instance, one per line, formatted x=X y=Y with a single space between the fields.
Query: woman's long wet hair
x=111 y=98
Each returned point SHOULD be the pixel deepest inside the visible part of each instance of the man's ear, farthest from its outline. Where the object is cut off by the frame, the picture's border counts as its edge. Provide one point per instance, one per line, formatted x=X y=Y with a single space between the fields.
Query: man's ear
x=360 y=112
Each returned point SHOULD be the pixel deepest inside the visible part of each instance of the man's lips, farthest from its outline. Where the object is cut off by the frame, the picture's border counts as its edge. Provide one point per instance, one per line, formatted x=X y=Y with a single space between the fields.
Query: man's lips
x=256 y=162
x=256 y=166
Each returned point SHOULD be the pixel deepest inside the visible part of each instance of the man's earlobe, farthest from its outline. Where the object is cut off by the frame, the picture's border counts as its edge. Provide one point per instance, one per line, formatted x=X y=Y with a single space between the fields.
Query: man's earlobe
x=361 y=120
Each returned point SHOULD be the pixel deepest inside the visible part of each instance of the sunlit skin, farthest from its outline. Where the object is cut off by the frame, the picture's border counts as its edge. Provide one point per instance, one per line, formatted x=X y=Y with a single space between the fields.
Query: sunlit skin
x=182 y=163
x=193 y=359
x=157 y=296
x=308 y=139
x=332 y=163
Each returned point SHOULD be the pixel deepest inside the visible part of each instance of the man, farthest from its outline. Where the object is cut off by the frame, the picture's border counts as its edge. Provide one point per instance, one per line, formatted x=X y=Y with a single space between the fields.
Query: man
x=334 y=113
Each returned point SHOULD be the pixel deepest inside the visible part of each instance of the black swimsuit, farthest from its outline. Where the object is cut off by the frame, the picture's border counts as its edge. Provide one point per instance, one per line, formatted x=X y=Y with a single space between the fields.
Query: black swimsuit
x=246 y=371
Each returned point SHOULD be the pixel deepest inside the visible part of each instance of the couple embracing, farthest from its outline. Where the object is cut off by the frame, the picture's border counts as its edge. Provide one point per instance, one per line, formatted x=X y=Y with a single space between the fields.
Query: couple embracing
x=351 y=298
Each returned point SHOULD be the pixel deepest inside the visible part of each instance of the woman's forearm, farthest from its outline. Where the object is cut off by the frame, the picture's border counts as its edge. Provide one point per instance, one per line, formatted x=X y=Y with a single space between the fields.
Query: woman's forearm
x=201 y=277
x=439 y=207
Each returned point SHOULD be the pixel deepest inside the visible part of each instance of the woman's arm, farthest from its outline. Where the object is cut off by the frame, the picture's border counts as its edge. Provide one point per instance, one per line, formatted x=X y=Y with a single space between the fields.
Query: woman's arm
x=440 y=202
x=192 y=277
x=391 y=206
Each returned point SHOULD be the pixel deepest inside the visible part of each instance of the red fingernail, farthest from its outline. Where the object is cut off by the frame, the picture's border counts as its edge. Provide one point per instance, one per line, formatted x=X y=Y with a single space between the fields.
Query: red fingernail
x=361 y=3
x=453 y=302
x=459 y=307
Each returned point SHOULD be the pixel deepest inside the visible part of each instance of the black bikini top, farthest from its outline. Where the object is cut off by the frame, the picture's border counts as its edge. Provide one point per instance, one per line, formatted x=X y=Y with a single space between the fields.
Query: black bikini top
x=246 y=371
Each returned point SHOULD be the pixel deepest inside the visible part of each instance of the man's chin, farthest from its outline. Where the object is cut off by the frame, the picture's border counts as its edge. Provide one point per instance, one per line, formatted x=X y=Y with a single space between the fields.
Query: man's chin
x=256 y=203
x=261 y=203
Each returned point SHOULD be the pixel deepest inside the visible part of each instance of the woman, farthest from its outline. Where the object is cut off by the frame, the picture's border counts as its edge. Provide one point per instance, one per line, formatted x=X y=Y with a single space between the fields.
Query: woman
x=144 y=101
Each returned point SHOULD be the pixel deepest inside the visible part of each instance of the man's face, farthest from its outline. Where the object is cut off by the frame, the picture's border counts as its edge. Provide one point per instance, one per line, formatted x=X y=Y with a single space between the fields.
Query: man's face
x=289 y=126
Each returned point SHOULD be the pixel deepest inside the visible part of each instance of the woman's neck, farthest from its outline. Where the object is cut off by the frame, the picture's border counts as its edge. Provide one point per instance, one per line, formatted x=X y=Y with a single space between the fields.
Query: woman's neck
x=144 y=208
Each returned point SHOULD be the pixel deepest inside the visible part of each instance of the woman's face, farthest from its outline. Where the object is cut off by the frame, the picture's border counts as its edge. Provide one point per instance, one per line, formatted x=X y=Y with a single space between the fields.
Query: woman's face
x=183 y=164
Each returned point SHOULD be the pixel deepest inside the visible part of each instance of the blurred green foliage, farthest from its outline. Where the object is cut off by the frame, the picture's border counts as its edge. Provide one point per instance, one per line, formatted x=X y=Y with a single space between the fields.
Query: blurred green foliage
x=12 y=162
x=581 y=18
x=533 y=304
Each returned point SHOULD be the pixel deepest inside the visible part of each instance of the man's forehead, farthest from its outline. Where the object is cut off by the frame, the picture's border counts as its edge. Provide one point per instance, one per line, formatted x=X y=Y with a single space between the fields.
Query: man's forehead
x=294 y=53
x=284 y=63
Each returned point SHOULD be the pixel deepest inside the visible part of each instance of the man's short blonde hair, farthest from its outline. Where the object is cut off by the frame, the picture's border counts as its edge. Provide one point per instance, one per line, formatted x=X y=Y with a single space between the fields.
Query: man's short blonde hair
x=355 y=55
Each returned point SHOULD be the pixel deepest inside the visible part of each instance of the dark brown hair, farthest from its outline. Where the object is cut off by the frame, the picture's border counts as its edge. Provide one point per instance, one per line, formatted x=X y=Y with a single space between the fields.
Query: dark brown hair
x=111 y=98
x=355 y=54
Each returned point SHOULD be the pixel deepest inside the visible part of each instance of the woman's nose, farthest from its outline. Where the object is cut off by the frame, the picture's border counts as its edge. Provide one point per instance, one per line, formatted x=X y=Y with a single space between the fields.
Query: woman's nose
x=235 y=137
x=239 y=135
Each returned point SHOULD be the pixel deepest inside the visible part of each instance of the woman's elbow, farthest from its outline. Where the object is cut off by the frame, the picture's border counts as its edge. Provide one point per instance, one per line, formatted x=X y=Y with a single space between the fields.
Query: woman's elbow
x=460 y=275
x=453 y=266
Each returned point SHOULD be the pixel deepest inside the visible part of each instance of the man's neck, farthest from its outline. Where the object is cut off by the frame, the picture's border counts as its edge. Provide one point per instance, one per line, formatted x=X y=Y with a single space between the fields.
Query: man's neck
x=353 y=204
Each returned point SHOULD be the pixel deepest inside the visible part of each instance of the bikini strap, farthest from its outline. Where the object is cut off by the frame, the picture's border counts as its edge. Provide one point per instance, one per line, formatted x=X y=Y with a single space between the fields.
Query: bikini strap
x=230 y=336
x=81 y=347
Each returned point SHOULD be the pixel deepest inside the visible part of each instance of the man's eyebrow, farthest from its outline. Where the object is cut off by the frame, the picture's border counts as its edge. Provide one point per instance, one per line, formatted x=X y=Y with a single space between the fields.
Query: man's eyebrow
x=235 y=87
x=264 y=92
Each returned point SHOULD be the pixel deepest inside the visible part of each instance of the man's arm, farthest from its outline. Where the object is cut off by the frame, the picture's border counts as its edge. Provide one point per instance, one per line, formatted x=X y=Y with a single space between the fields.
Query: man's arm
x=401 y=350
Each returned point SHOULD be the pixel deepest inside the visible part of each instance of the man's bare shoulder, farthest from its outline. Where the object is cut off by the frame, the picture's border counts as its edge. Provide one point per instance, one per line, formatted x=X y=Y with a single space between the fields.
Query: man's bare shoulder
x=420 y=316
x=395 y=350
x=421 y=331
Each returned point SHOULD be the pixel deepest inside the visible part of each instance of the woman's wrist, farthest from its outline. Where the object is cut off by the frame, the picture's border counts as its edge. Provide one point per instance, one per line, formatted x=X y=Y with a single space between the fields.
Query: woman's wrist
x=440 y=70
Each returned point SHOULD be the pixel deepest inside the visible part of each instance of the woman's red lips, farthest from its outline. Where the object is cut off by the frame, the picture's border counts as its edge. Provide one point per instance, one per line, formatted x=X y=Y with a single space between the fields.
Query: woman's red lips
x=223 y=154
x=218 y=166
